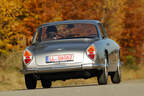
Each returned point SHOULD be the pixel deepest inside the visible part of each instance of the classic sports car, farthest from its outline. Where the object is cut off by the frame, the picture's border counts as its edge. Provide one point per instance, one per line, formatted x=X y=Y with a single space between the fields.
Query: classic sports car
x=71 y=49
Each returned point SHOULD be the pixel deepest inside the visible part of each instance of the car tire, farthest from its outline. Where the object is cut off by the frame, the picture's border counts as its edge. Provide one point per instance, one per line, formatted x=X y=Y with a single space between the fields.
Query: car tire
x=116 y=76
x=103 y=74
x=46 y=83
x=30 y=81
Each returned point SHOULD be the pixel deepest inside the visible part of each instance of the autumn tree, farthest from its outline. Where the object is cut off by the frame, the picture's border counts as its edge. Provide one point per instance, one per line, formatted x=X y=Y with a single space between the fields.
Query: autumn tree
x=9 y=11
x=81 y=9
x=123 y=20
x=42 y=11
x=132 y=39
x=114 y=16
x=37 y=12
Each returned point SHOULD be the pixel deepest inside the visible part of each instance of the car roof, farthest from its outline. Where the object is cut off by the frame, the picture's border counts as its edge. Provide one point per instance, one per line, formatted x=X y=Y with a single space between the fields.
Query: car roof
x=71 y=22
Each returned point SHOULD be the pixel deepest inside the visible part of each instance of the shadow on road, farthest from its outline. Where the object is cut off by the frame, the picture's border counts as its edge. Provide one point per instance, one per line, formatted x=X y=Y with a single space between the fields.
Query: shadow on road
x=82 y=85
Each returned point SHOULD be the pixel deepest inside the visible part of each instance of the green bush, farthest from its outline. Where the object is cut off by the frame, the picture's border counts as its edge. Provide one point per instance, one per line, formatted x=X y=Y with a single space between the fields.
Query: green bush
x=131 y=62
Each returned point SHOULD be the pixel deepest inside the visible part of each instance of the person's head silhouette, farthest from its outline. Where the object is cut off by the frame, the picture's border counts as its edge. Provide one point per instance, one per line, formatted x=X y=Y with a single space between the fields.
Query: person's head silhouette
x=51 y=32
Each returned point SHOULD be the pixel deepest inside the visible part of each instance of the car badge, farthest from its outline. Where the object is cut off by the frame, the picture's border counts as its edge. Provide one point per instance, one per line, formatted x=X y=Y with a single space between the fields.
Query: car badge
x=59 y=49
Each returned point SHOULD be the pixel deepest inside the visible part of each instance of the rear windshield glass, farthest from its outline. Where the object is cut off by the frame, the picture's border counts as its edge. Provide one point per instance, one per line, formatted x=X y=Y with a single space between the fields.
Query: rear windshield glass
x=67 y=31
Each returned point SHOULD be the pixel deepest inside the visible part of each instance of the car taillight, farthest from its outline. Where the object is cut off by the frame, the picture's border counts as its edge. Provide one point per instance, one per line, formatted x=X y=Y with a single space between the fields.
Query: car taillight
x=91 y=52
x=27 y=56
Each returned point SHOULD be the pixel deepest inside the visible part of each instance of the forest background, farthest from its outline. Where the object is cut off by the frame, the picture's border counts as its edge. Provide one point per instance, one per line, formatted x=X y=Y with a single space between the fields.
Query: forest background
x=123 y=20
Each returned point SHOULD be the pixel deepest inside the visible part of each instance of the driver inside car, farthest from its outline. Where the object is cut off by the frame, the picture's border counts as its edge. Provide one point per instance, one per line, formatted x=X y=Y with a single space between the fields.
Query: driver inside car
x=51 y=32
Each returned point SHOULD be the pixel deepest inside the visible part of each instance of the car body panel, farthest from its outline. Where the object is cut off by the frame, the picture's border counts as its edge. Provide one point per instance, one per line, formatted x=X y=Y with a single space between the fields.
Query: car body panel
x=77 y=47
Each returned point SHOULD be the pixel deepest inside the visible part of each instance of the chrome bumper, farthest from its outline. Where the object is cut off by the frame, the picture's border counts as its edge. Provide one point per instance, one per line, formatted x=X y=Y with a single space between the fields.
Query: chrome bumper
x=62 y=69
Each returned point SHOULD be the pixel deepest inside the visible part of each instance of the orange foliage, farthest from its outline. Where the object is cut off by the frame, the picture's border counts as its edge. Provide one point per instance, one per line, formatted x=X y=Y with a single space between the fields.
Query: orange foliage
x=132 y=38
x=123 y=20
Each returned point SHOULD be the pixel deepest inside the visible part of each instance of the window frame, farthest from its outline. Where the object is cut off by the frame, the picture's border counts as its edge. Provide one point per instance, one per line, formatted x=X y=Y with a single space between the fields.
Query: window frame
x=103 y=31
x=40 y=28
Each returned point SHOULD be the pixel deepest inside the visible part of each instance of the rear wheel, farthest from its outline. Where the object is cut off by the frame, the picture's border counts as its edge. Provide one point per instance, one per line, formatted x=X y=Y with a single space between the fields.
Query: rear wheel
x=30 y=81
x=46 y=83
x=116 y=76
x=103 y=74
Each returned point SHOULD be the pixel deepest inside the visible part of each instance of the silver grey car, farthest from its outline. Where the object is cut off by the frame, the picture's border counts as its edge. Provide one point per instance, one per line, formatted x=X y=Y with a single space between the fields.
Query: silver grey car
x=69 y=50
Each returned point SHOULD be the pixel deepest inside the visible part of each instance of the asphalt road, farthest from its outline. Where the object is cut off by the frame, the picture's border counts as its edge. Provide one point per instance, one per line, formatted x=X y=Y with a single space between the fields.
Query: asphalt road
x=130 y=88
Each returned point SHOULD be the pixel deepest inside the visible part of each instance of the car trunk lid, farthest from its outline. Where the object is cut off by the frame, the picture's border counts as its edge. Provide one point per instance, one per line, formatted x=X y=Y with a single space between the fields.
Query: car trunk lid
x=61 y=52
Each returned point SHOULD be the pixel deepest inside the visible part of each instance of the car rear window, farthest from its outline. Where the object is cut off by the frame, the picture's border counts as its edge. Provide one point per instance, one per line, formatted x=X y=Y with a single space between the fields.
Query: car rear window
x=67 y=31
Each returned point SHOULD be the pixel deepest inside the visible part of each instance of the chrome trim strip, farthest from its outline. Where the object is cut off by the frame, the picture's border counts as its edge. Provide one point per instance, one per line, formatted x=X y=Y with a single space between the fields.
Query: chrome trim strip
x=62 y=69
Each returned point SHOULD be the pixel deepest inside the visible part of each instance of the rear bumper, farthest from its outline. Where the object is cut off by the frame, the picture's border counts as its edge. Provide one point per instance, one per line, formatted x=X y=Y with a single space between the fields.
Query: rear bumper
x=62 y=68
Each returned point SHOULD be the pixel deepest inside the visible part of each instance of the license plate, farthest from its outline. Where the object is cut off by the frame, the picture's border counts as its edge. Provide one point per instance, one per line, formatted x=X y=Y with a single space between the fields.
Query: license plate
x=59 y=58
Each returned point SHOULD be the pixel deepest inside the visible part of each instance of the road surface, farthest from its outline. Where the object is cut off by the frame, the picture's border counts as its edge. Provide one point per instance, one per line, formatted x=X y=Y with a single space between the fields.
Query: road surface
x=130 y=88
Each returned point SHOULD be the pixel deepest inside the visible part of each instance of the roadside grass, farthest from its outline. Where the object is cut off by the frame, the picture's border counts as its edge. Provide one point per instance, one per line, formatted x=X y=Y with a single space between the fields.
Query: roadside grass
x=12 y=79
